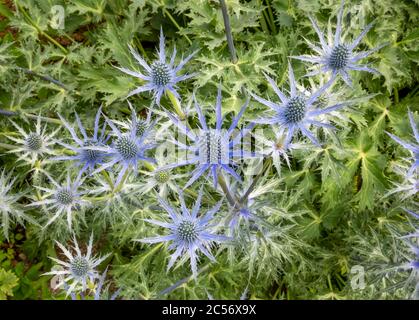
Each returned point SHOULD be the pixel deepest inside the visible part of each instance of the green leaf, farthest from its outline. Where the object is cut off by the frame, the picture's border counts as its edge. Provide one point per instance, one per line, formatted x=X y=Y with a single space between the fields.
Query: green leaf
x=8 y=281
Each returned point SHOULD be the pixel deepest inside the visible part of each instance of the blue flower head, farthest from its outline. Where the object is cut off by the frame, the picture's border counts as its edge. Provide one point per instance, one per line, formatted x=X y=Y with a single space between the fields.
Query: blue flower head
x=189 y=231
x=34 y=144
x=412 y=147
x=127 y=149
x=211 y=149
x=160 y=76
x=79 y=268
x=337 y=56
x=62 y=198
x=87 y=158
x=297 y=112
x=100 y=293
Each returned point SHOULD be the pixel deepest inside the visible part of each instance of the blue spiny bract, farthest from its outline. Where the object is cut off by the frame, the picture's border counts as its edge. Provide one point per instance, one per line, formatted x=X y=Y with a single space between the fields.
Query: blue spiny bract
x=79 y=268
x=32 y=145
x=63 y=198
x=160 y=76
x=127 y=149
x=212 y=150
x=190 y=231
x=85 y=156
x=10 y=210
x=296 y=112
x=412 y=147
x=336 y=56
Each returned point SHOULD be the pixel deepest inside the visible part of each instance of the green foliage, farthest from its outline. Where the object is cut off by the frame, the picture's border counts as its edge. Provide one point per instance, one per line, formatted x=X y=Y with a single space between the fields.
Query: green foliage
x=328 y=211
x=7 y=282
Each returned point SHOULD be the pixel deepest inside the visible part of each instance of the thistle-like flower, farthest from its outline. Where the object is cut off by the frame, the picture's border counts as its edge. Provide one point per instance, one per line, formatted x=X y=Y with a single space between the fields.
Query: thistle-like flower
x=141 y=126
x=163 y=180
x=160 y=76
x=189 y=231
x=274 y=148
x=127 y=149
x=99 y=294
x=246 y=206
x=62 y=199
x=10 y=209
x=296 y=112
x=412 y=147
x=86 y=157
x=33 y=144
x=335 y=55
x=212 y=150
x=79 y=269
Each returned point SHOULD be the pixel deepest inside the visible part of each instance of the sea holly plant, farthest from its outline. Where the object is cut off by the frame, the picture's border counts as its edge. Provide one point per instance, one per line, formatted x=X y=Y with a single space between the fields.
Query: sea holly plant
x=87 y=158
x=160 y=76
x=79 y=268
x=248 y=165
x=212 y=150
x=336 y=55
x=11 y=210
x=62 y=199
x=189 y=231
x=34 y=144
x=296 y=112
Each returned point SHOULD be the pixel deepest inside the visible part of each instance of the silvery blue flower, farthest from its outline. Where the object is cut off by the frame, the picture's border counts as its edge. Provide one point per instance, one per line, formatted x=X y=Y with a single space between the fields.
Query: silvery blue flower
x=33 y=144
x=412 y=147
x=159 y=76
x=63 y=198
x=212 y=150
x=127 y=149
x=10 y=210
x=337 y=56
x=189 y=231
x=141 y=126
x=99 y=293
x=297 y=112
x=87 y=158
x=79 y=268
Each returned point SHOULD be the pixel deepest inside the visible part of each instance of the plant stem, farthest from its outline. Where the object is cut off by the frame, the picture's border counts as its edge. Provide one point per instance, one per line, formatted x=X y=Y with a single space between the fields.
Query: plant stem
x=30 y=116
x=227 y=193
x=266 y=166
x=396 y=95
x=42 y=33
x=271 y=16
x=166 y=12
x=46 y=78
x=229 y=36
x=182 y=281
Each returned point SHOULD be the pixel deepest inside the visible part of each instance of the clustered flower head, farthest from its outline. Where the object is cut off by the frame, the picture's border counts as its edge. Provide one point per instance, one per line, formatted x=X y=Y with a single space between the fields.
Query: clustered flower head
x=296 y=112
x=336 y=55
x=189 y=231
x=78 y=268
x=64 y=198
x=212 y=149
x=86 y=157
x=33 y=144
x=160 y=76
x=127 y=149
